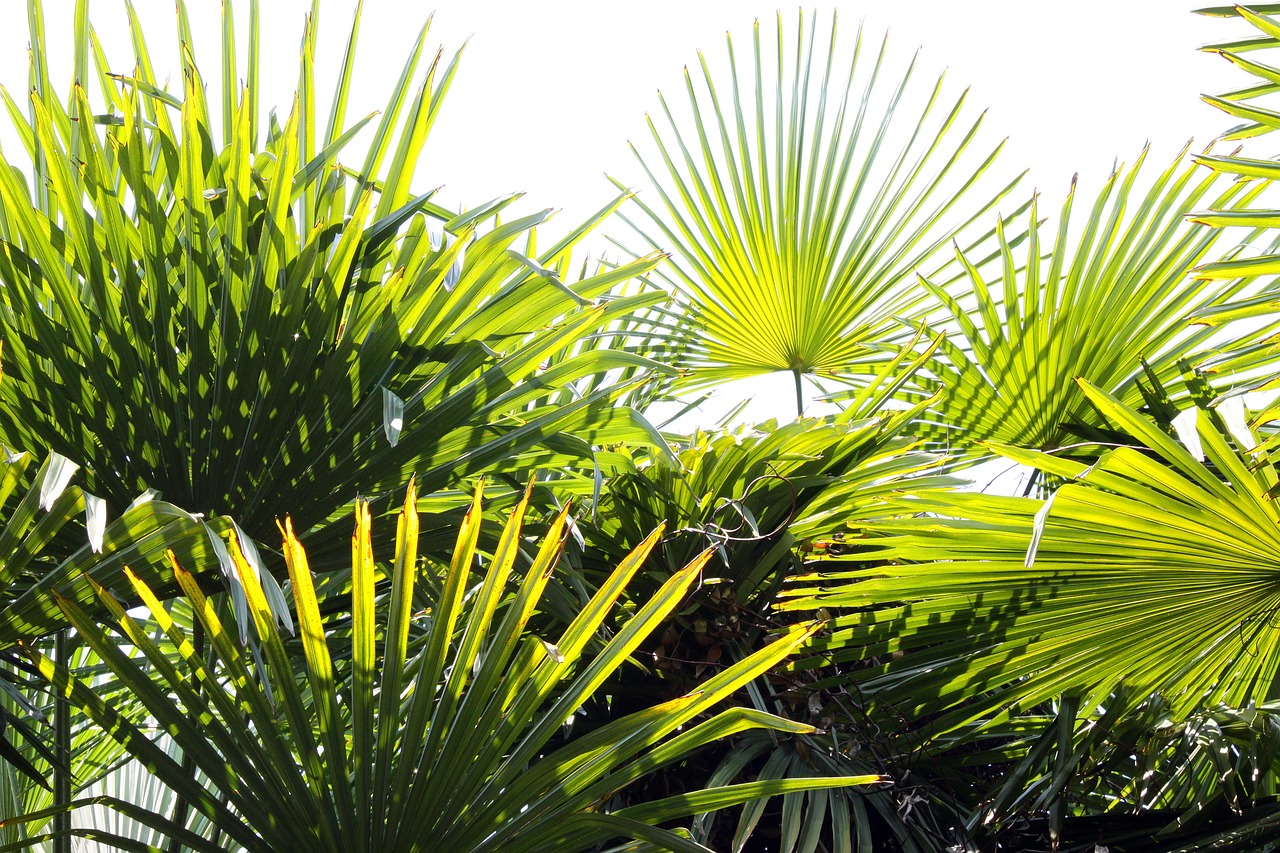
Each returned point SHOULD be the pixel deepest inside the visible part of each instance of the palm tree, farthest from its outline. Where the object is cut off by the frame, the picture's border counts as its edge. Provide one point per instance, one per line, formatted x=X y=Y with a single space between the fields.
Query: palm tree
x=207 y=302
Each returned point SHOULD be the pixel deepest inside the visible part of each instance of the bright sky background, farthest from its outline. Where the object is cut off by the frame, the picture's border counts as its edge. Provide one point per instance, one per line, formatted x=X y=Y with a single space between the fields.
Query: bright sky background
x=549 y=92
x=552 y=90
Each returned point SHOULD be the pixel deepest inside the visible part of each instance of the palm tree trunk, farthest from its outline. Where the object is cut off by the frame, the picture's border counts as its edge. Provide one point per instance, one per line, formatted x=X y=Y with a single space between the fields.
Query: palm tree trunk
x=62 y=751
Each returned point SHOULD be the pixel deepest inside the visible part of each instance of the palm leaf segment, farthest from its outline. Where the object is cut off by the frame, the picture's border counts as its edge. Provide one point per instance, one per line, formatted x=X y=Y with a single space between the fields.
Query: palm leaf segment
x=248 y=324
x=1145 y=575
x=1112 y=308
x=444 y=725
x=1248 y=104
x=56 y=537
x=794 y=233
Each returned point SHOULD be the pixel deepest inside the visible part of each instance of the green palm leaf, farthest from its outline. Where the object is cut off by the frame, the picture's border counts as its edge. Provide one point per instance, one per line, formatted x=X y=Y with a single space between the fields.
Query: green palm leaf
x=1250 y=104
x=759 y=493
x=760 y=497
x=33 y=764
x=1145 y=571
x=1114 y=307
x=252 y=325
x=57 y=540
x=445 y=727
x=795 y=212
x=1253 y=353
x=1086 y=646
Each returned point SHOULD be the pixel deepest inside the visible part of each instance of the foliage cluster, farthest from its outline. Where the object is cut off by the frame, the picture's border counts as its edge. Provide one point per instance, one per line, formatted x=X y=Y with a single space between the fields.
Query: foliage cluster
x=555 y=626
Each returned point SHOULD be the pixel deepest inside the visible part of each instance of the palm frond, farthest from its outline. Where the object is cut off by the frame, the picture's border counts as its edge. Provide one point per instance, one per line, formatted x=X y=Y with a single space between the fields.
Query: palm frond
x=796 y=211
x=1114 y=306
x=57 y=539
x=448 y=737
x=1087 y=645
x=1145 y=571
x=758 y=497
x=1251 y=104
x=227 y=322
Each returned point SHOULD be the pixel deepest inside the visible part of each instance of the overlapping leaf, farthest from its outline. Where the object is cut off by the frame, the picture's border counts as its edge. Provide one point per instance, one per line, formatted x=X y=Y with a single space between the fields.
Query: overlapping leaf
x=1149 y=570
x=759 y=497
x=225 y=322
x=758 y=493
x=56 y=539
x=448 y=736
x=1114 y=308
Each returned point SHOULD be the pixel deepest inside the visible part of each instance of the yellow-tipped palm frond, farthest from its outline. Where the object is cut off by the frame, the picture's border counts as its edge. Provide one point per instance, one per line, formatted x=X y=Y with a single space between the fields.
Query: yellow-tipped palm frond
x=440 y=723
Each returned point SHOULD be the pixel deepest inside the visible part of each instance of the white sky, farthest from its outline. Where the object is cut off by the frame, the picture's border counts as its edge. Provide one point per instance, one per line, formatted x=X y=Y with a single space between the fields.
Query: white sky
x=552 y=90
x=549 y=92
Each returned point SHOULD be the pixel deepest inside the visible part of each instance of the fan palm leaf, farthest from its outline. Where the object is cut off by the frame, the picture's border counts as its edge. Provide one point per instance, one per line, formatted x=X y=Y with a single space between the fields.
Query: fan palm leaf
x=760 y=496
x=133 y=783
x=56 y=539
x=445 y=729
x=250 y=324
x=1114 y=307
x=796 y=212
x=94 y=764
x=1073 y=642
x=1146 y=571
x=1251 y=105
